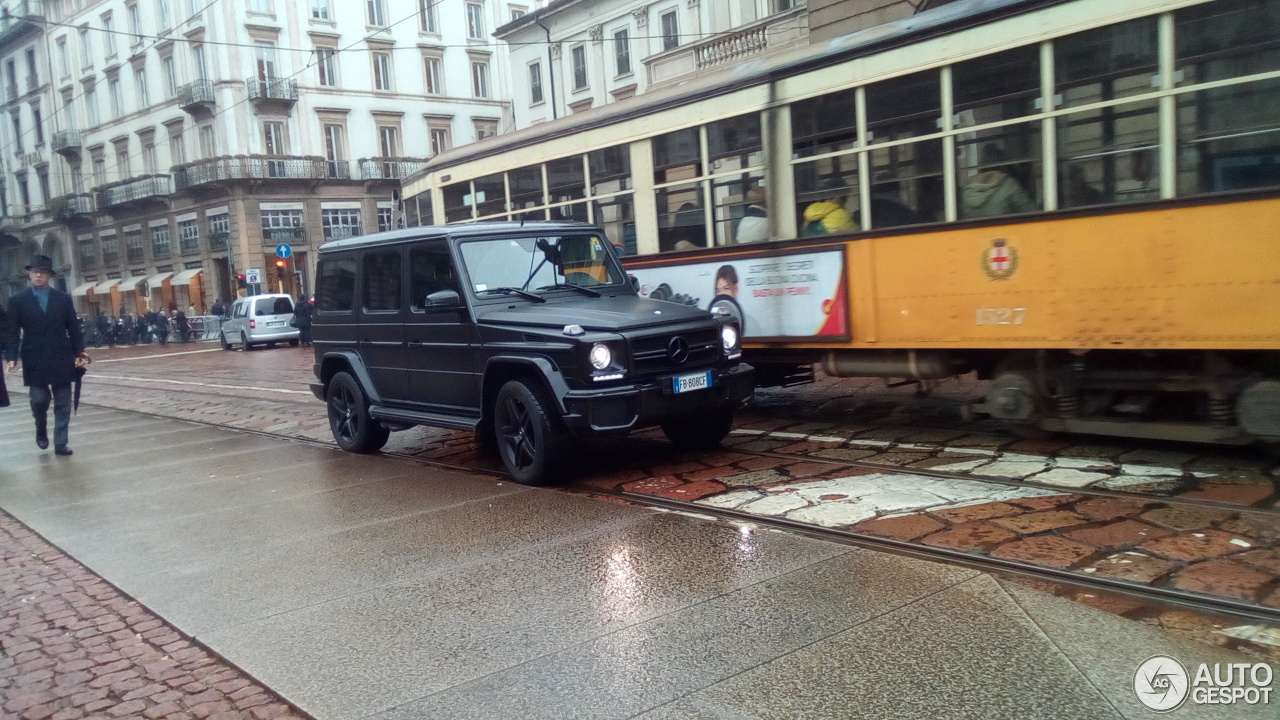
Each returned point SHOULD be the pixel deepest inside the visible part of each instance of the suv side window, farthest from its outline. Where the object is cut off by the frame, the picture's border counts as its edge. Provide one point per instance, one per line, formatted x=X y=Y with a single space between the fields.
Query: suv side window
x=336 y=289
x=382 y=281
x=432 y=271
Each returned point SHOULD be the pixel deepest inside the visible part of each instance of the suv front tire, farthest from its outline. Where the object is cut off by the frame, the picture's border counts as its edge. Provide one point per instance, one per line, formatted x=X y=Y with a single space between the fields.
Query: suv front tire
x=528 y=438
x=353 y=429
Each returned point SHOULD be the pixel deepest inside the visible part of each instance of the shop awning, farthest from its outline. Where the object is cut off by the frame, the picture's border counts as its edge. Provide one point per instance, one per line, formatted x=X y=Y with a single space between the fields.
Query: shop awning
x=184 y=277
x=131 y=283
x=104 y=288
x=154 y=281
x=84 y=289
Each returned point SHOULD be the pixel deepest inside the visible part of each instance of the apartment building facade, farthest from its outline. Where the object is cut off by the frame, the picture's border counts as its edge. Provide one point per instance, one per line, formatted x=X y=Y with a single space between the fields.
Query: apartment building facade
x=181 y=142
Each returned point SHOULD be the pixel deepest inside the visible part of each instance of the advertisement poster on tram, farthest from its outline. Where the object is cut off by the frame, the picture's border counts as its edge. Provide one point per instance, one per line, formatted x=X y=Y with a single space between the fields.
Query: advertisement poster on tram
x=788 y=296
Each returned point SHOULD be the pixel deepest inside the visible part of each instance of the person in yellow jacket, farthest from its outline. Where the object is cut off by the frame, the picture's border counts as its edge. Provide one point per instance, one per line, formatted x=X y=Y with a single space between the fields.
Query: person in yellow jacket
x=828 y=217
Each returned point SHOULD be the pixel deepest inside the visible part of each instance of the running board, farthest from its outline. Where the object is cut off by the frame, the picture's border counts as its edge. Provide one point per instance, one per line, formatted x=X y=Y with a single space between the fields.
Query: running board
x=1148 y=430
x=415 y=417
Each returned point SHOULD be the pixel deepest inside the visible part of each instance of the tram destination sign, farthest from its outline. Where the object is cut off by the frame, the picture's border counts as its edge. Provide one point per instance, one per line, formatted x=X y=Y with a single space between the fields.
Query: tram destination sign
x=788 y=296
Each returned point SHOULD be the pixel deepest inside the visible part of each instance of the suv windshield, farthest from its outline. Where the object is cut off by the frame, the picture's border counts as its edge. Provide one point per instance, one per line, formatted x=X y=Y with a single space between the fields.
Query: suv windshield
x=272 y=306
x=539 y=264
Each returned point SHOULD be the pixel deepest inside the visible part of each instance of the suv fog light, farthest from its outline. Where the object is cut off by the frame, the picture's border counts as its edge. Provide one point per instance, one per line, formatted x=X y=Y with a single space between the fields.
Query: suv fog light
x=729 y=334
x=601 y=356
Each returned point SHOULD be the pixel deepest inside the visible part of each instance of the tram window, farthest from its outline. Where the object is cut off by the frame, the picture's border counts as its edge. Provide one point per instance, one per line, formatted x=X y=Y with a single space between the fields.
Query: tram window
x=824 y=124
x=1110 y=62
x=526 y=188
x=617 y=217
x=610 y=169
x=575 y=212
x=1109 y=155
x=826 y=195
x=677 y=156
x=729 y=203
x=457 y=202
x=999 y=171
x=1000 y=86
x=681 y=222
x=1225 y=39
x=904 y=107
x=1229 y=138
x=566 y=179
x=490 y=195
x=910 y=176
x=735 y=143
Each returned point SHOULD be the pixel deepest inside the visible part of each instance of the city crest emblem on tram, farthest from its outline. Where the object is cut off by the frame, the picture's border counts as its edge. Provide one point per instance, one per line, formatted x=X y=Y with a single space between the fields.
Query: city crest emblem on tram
x=999 y=261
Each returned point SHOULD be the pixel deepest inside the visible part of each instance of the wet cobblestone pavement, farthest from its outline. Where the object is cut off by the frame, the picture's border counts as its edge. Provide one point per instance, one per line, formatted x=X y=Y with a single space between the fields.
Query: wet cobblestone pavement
x=75 y=647
x=843 y=454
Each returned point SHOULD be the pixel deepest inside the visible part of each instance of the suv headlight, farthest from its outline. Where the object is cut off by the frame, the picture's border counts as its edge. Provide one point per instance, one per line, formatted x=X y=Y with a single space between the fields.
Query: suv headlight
x=601 y=356
x=729 y=335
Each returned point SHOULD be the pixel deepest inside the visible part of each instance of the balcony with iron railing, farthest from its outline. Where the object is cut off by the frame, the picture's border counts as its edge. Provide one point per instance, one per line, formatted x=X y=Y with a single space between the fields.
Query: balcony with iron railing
x=287 y=235
x=134 y=190
x=72 y=209
x=218 y=240
x=389 y=168
x=89 y=261
x=189 y=244
x=134 y=255
x=271 y=89
x=782 y=30
x=197 y=97
x=67 y=143
x=250 y=167
x=21 y=18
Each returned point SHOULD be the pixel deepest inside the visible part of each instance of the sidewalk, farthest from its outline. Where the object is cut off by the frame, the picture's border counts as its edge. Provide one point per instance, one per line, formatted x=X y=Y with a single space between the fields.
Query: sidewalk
x=373 y=587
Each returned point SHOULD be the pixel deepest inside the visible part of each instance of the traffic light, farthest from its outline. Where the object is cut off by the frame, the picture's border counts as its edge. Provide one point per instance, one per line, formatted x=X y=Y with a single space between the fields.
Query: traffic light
x=280 y=264
x=240 y=280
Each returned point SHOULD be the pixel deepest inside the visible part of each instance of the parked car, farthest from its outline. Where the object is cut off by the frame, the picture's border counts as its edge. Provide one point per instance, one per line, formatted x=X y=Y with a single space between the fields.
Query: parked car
x=259 y=320
x=529 y=334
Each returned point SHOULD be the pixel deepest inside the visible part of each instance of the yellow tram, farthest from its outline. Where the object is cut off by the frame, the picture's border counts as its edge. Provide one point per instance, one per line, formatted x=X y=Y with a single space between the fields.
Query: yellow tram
x=1075 y=199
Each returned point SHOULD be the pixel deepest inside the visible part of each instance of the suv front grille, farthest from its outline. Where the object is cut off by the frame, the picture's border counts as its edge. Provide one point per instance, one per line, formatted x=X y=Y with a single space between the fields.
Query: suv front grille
x=652 y=355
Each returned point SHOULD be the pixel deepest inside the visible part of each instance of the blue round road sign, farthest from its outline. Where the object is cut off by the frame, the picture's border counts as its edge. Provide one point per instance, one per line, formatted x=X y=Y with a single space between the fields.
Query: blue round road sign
x=283 y=251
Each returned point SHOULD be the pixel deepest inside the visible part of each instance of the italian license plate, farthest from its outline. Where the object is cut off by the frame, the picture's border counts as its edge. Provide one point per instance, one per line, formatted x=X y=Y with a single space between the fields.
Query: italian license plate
x=695 y=381
x=276 y=324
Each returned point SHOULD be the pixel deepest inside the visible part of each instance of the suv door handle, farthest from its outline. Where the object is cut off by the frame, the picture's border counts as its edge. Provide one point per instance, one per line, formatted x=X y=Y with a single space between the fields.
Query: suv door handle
x=416 y=344
x=366 y=341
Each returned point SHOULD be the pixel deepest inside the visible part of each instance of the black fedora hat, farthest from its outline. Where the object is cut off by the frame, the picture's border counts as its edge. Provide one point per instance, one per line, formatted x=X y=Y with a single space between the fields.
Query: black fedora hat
x=41 y=262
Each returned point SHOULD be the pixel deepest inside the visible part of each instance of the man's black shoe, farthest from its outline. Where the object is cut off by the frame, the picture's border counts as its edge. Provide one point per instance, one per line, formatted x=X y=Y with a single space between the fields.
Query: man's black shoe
x=62 y=450
x=42 y=439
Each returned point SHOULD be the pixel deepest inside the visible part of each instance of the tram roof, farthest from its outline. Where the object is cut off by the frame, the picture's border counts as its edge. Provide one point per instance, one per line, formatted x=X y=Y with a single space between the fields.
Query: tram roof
x=943 y=19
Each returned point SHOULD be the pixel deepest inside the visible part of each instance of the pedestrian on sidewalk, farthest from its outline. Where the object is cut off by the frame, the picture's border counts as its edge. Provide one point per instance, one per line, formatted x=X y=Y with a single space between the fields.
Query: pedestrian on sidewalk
x=4 y=334
x=183 y=328
x=302 y=320
x=43 y=324
x=162 y=327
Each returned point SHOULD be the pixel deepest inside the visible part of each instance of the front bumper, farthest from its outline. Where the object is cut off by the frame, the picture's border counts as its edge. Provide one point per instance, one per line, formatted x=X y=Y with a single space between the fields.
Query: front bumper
x=652 y=401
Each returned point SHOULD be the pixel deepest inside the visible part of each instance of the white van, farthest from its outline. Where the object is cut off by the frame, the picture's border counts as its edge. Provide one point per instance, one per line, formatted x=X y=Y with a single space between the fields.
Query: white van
x=259 y=319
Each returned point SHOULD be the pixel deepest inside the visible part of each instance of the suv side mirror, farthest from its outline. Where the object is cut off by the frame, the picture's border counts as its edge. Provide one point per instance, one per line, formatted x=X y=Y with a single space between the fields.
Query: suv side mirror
x=635 y=282
x=443 y=299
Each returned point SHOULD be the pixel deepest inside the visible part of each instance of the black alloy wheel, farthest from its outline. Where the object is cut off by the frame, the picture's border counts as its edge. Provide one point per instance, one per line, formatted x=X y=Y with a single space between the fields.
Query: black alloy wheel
x=353 y=429
x=699 y=433
x=528 y=439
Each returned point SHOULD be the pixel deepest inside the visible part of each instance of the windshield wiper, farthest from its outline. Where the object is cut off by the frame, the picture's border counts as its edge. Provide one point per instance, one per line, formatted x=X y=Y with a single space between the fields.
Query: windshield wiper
x=513 y=291
x=579 y=288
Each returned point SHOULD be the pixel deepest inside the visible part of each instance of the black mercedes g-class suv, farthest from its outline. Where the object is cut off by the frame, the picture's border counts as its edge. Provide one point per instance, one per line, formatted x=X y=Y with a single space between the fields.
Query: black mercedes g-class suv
x=528 y=334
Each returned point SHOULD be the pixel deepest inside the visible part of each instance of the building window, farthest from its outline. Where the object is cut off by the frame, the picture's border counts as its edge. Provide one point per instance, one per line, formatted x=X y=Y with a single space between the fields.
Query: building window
x=389 y=141
x=486 y=128
x=198 y=62
x=281 y=226
x=135 y=24
x=535 y=83
x=439 y=140
x=670 y=31
x=480 y=79
x=122 y=160
x=335 y=151
x=162 y=14
x=149 y=163
x=327 y=66
x=189 y=236
x=110 y=249
x=16 y=117
x=475 y=21
x=339 y=224
x=24 y=192
x=177 y=148
x=170 y=70
x=386 y=219
x=64 y=58
x=433 y=77
x=783 y=5
x=273 y=138
x=134 y=252
x=219 y=231
x=208 y=141
x=91 y=106
x=320 y=9
x=86 y=48
x=109 y=35
x=427 y=16
x=622 y=52
x=99 y=170
x=381 y=71
x=160 y=241
x=377 y=17
x=140 y=80
x=260 y=6
x=517 y=13
x=117 y=98
x=42 y=179
x=37 y=121
x=580 y=67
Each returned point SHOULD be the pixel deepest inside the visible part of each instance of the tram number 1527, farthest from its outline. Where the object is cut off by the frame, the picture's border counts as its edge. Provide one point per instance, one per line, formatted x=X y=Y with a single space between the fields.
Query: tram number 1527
x=1001 y=316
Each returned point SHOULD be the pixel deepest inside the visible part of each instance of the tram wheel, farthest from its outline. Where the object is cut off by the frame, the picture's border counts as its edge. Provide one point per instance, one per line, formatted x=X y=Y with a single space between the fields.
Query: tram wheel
x=1013 y=398
x=527 y=436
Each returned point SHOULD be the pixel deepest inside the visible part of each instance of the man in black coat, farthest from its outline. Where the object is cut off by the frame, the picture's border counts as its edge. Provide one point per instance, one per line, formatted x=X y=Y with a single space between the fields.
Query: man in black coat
x=43 y=323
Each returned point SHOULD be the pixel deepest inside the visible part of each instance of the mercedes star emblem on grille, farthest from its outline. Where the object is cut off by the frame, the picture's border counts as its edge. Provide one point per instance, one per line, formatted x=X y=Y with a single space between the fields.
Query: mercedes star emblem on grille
x=678 y=350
